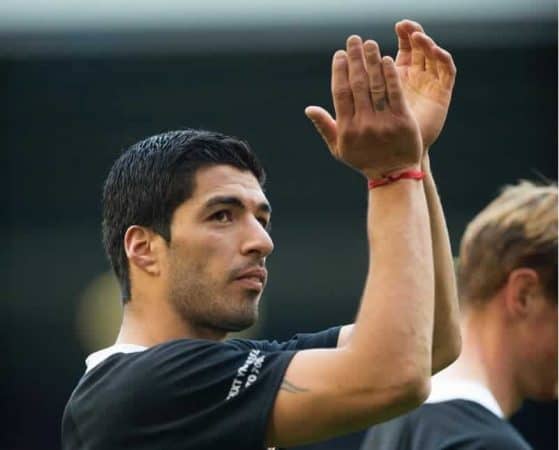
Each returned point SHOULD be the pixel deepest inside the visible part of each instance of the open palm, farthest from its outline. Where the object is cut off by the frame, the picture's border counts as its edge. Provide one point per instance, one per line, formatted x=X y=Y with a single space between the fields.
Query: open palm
x=427 y=73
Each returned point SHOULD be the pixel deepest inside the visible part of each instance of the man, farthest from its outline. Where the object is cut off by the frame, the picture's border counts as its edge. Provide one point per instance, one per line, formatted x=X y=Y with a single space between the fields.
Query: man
x=185 y=227
x=508 y=291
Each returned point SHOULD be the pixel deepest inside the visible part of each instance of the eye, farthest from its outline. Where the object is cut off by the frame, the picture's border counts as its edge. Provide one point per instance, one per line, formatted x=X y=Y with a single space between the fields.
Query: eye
x=266 y=224
x=222 y=216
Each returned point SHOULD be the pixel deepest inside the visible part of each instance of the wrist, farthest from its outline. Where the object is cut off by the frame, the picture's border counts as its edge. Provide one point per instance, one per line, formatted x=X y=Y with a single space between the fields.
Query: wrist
x=408 y=173
x=376 y=174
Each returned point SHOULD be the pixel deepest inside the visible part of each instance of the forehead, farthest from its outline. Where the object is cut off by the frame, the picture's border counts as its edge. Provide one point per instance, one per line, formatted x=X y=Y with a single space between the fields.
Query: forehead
x=228 y=181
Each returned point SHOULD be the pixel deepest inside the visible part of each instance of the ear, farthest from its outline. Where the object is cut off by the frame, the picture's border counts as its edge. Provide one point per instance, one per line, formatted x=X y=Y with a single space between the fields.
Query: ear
x=141 y=249
x=521 y=289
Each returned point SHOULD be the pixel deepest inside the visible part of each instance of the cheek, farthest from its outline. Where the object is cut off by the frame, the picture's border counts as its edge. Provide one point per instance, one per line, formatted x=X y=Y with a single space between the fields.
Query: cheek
x=552 y=351
x=548 y=329
x=198 y=245
x=544 y=337
x=543 y=344
x=210 y=253
x=216 y=250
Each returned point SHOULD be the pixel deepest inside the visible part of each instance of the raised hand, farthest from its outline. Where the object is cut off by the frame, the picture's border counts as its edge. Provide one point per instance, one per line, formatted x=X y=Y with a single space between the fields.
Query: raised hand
x=375 y=131
x=427 y=73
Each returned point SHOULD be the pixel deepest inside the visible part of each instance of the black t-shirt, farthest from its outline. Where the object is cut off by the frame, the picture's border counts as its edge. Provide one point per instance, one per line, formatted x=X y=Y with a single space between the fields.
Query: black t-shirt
x=450 y=425
x=183 y=394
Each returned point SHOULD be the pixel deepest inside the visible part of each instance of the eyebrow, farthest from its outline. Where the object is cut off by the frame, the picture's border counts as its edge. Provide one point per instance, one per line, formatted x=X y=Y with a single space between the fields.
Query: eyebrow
x=235 y=201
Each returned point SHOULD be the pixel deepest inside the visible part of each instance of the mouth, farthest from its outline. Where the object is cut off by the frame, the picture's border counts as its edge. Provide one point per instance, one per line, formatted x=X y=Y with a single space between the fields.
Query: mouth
x=254 y=279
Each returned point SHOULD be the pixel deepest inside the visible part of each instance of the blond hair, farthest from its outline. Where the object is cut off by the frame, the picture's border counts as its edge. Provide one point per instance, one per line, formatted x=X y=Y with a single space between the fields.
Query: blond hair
x=517 y=229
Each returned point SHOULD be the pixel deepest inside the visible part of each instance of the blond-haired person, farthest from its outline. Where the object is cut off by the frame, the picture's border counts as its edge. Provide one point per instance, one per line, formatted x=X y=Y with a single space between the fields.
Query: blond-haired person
x=507 y=278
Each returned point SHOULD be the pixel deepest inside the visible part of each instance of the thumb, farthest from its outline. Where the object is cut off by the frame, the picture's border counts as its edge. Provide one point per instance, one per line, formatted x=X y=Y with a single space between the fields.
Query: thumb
x=324 y=124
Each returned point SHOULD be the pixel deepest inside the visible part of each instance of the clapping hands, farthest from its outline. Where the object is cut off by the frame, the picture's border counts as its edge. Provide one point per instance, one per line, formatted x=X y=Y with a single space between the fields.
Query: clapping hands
x=388 y=113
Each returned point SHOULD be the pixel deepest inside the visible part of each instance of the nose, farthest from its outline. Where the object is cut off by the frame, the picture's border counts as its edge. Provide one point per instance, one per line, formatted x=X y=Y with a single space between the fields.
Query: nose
x=257 y=240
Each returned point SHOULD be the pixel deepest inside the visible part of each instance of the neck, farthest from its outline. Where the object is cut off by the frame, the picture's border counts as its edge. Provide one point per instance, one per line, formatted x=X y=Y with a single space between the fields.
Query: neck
x=485 y=360
x=148 y=323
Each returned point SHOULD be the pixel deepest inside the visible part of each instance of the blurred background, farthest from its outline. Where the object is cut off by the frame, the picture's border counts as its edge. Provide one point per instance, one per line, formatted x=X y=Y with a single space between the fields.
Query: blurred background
x=80 y=81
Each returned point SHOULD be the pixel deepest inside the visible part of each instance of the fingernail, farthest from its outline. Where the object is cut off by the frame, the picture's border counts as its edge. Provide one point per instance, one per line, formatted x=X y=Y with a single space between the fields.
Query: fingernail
x=370 y=46
x=354 y=40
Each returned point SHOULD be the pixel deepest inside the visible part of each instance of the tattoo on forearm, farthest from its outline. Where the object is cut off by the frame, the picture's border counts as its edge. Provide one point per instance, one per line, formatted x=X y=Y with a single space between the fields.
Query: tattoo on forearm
x=288 y=386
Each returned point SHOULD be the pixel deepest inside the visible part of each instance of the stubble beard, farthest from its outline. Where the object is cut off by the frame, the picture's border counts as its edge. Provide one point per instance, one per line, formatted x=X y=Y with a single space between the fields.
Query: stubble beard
x=203 y=302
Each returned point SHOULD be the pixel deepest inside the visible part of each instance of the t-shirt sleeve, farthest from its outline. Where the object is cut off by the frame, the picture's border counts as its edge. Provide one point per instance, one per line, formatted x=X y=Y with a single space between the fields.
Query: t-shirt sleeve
x=196 y=393
x=302 y=341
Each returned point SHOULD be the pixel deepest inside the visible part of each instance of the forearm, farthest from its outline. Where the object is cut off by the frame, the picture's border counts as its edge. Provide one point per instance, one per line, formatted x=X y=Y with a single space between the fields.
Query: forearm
x=394 y=327
x=446 y=332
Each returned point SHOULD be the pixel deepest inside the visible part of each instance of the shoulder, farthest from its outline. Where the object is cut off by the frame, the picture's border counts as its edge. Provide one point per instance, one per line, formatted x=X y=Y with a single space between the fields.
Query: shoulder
x=454 y=424
x=505 y=438
x=183 y=354
x=185 y=361
x=465 y=413
x=181 y=366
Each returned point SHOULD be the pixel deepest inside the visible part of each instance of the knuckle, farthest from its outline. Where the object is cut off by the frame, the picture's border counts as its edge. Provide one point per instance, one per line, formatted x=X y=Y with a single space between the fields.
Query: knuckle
x=389 y=74
x=377 y=82
x=341 y=92
x=378 y=93
x=360 y=83
x=395 y=96
x=393 y=85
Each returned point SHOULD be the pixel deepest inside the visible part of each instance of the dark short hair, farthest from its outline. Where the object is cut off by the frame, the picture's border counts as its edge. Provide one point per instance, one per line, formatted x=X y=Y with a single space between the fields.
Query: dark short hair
x=153 y=177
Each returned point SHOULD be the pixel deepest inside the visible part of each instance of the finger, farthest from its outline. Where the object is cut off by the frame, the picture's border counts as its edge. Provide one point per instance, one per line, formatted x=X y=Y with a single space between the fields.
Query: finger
x=393 y=86
x=404 y=29
x=358 y=78
x=324 y=124
x=445 y=67
x=377 y=85
x=341 y=91
x=417 y=56
x=426 y=45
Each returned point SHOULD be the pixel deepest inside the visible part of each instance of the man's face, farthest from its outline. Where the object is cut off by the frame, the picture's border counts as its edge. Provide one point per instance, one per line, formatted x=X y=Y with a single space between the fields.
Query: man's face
x=218 y=249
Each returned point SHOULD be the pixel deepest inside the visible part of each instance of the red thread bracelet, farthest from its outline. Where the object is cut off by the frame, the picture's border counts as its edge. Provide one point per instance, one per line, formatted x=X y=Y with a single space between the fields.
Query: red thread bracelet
x=387 y=179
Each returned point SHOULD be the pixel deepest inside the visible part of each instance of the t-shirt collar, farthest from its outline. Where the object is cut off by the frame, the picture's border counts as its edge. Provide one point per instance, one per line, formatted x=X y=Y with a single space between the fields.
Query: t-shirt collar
x=444 y=390
x=98 y=357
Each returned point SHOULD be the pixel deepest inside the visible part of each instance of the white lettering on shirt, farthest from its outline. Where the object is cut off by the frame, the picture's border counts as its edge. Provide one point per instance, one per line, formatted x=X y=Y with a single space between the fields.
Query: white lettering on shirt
x=247 y=374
